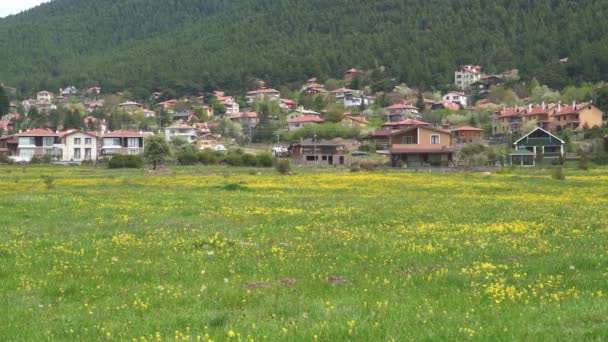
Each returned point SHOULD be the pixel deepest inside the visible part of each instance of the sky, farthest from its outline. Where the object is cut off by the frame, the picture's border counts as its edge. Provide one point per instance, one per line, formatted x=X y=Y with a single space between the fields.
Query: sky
x=8 y=7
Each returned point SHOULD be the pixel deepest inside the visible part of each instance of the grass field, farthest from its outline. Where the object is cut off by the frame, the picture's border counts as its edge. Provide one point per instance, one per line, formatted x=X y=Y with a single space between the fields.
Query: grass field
x=229 y=254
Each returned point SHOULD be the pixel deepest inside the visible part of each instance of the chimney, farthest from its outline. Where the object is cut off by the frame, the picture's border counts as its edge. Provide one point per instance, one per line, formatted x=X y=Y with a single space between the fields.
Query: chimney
x=559 y=106
x=530 y=107
x=574 y=104
x=543 y=104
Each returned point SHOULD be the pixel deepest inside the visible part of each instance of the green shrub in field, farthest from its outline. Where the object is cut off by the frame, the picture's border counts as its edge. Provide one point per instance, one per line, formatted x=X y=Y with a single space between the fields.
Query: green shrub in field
x=248 y=159
x=187 y=158
x=6 y=160
x=558 y=173
x=264 y=159
x=208 y=157
x=233 y=159
x=120 y=161
x=283 y=166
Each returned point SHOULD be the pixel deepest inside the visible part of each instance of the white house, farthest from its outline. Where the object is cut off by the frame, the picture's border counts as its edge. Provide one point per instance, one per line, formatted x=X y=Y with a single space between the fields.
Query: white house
x=349 y=97
x=69 y=90
x=301 y=121
x=261 y=94
x=35 y=143
x=467 y=75
x=185 y=132
x=456 y=97
x=45 y=96
x=232 y=107
x=76 y=146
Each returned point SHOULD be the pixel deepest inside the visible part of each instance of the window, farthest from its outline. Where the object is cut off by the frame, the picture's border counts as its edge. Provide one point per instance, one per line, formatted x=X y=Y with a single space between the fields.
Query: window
x=408 y=140
x=27 y=141
x=87 y=153
x=76 y=141
x=435 y=139
x=48 y=141
x=87 y=141
x=133 y=142
x=77 y=154
x=111 y=141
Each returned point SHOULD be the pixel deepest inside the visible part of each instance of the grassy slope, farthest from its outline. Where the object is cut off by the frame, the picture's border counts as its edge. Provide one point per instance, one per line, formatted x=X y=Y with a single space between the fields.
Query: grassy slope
x=124 y=254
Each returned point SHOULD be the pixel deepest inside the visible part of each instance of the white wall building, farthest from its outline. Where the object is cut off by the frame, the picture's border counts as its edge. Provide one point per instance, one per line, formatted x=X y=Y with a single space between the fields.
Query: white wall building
x=76 y=146
x=467 y=75
x=456 y=97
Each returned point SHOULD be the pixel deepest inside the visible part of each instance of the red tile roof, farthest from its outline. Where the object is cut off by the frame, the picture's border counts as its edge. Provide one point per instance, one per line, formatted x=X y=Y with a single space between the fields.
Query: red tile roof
x=572 y=109
x=467 y=128
x=37 y=132
x=342 y=90
x=242 y=115
x=306 y=118
x=407 y=122
x=122 y=133
x=415 y=149
x=402 y=106
x=358 y=119
x=263 y=91
x=181 y=126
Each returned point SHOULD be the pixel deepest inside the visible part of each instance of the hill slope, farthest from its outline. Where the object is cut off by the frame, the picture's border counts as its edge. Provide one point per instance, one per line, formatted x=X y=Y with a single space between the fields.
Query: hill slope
x=188 y=44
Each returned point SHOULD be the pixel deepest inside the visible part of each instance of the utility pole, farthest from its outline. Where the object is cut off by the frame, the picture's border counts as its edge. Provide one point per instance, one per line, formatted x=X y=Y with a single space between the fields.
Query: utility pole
x=314 y=144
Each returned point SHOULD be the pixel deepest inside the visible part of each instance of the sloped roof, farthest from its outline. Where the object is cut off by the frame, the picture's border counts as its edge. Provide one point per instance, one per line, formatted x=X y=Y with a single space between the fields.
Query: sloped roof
x=37 y=133
x=306 y=118
x=122 y=133
x=467 y=128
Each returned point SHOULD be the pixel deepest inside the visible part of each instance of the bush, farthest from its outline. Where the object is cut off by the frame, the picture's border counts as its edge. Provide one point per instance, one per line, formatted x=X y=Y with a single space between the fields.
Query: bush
x=207 y=157
x=264 y=159
x=583 y=162
x=558 y=173
x=187 y=158
x=233 y=159
x=248 y=160
x=283 y=166
x=6 y=160
x=35 y=160
x=120 y=161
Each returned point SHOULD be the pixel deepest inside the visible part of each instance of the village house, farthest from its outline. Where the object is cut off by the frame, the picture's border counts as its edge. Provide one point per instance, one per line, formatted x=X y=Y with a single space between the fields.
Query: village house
x=122 y=142
x=506 y=121
x=232 y=107
x=167 y=106
x=183 y=116
x=183 y=131
x=45 y=96
x=246 y=119
x=301 y=121
x=466 y=75
x=407 y=123
x=483 y=85
x=130 y=106
x=207 y=141
x=93 y=91
x=76 y=145
x=456 y=97
x=446 y=105
x=350 y=73
x=35 y=143
x=287 y=104
x=68 y=91
x=8 y=145
x=354 y=121
x=400 y=112
x=93 y=106
x=420 y=146
x=319 y=152
x=382 y=139
x=261 y=94
x=541 y=115
x=349 y=97
x=300 y=111
x=538 y=143
x=468 y=135
x=577 y=116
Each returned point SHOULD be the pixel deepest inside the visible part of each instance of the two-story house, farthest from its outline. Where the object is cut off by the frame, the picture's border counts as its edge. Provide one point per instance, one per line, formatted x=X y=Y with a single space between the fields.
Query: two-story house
x=76 y=145
x=401 y=111
x=130 y=106
x=261 y=94
x=185 y=132
x=537 y=143
x=456 y=97
x=246 y=119
x=301 y=121
x=349 y=97
x=319 y=152
x=121 y=142
x=577 y=116
x=420 y=146
x=36 y=143
x=407 y=123
x=45 y=96
x=467 y=75
x=232 y=107
x=8 y=145
x=468 y=135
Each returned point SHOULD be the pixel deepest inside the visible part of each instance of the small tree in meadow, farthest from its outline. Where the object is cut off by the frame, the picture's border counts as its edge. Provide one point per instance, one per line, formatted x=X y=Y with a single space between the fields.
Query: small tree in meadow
x=156 y=150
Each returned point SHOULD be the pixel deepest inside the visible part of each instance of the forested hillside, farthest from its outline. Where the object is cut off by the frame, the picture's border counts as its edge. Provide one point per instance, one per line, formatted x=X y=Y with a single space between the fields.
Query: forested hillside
x=188 y=45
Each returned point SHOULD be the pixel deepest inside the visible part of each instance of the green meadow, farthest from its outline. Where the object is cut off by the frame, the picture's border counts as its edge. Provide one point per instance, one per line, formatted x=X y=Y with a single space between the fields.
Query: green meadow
x=201 y=254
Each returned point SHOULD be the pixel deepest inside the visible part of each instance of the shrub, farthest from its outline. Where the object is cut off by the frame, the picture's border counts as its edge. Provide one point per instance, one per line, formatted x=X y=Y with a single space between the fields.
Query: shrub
x=583 y=162
x=264 y=159
x=233 y=159
x=35 y=160
x=207 y=157
x=187 y=158
x=6 y=160
x=558 y=173
x=49 y=181
x=248 y=160
x=119 y=161
x=283 y=166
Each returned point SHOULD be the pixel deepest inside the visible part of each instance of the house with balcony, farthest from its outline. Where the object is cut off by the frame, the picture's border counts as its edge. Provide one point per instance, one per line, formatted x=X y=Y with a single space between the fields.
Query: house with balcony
x=421 y=146
x=45 y=96
x=467 y=135
x=577 y=116
x=507 y=121
x=407 y=123
x=261 y=94
x=541 y=115
x=354 y=121
x=538 y=143
x=207 y=141
x=76 y=145
x=121 y=142
x=185 y=132
x=246 y=119
x=349 y=97
x=36 y=143
x=319 y=152
x=466 y=75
